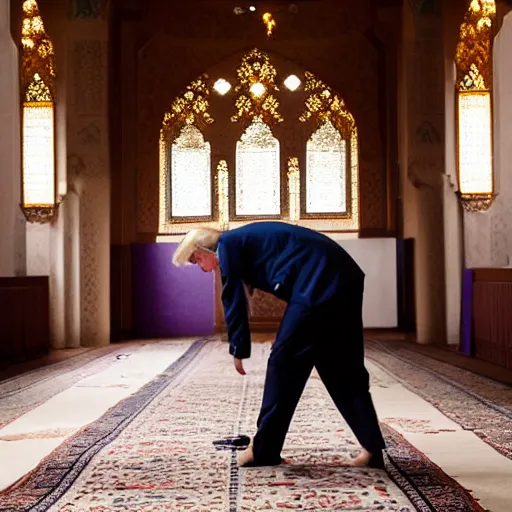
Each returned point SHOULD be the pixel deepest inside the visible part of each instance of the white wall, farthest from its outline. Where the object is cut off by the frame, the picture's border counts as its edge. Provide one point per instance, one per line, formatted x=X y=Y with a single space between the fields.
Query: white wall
x=377 y=258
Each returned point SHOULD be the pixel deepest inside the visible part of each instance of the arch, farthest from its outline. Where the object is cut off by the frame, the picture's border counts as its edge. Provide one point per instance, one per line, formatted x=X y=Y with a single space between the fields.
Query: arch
x=260 y=150
x=185 y=159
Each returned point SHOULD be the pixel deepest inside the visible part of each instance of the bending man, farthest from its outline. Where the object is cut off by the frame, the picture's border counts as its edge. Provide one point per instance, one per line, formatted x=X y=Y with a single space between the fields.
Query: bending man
x=322 y=326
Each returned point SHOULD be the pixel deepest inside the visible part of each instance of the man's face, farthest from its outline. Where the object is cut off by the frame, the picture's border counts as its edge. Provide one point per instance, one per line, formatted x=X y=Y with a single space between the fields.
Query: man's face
x=207 y=260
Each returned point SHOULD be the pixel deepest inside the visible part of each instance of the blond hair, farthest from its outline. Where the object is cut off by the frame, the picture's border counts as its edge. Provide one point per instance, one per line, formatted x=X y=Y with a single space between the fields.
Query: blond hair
x=199 y=238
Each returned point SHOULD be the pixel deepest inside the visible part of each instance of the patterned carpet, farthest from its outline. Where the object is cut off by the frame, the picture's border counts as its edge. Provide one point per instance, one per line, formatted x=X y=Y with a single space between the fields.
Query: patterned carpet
x=153 y=452
x=29 y=390
x=477 y=404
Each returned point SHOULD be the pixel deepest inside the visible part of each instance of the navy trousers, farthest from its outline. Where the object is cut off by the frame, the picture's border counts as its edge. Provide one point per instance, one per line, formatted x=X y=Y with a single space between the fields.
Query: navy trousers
x=330 y=338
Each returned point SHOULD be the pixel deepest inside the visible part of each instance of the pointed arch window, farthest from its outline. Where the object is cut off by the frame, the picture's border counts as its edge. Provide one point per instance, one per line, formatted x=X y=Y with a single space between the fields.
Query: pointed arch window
x=474 y=107
x=186 y=185
x=38 y=120
x=257 y=178
x=191 y=184
x=330 y=183
x=326 y=172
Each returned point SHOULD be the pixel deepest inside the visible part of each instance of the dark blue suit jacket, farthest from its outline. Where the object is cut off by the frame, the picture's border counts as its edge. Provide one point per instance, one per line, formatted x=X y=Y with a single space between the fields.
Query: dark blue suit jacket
x=293 y=263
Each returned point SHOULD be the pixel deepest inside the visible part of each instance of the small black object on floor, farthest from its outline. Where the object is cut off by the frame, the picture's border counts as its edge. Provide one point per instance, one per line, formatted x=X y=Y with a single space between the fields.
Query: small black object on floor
x=240 y=442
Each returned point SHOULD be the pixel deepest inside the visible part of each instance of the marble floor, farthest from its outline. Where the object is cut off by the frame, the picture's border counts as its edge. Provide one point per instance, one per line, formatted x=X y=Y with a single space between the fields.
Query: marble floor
x=33 y=435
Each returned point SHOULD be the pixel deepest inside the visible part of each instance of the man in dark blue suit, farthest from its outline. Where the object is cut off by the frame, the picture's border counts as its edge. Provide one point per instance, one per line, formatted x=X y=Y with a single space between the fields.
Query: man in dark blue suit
x=322 y=326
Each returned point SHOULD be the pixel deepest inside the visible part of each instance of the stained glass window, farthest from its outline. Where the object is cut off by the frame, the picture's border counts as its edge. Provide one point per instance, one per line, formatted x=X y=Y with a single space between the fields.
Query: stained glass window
x=258 y=191
x=326 y=171
x=191 y=192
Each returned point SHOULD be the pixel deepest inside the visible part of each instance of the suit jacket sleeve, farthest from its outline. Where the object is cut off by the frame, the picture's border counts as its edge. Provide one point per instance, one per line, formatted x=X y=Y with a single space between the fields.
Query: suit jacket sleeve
x=234 y=301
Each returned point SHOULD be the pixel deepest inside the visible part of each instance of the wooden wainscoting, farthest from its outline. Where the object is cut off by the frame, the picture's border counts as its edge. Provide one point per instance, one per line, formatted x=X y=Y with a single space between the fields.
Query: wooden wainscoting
x=265 y=310
x=492 y=315
x=24 y=318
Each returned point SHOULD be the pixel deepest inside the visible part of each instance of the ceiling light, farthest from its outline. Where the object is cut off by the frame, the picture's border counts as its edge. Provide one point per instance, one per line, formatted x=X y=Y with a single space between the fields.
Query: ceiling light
x=252 y=8
x=257 y=89
x=292 y=82
x=222 y=86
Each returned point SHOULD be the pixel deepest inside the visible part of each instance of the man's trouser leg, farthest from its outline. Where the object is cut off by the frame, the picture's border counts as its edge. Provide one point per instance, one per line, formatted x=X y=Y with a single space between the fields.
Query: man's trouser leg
x=289 y=366
x=340 y=365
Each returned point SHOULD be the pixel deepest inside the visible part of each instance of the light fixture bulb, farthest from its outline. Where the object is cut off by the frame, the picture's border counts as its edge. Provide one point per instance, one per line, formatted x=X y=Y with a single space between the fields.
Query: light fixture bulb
x=222 y=86
x=292 y=83
x=257 y=89
x=252 y=8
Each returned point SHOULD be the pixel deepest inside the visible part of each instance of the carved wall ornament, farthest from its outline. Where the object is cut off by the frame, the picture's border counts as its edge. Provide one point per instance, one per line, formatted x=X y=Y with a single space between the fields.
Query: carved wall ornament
x=476 y=203
x=424 y=172
x=84 y=9
x=40 y=214
x=426 y=6
x=427 y=133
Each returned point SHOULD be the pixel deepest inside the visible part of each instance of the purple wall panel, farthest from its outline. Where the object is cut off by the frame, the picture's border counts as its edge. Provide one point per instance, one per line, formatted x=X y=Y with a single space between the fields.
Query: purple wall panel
x=169 y=301
x=466 y=345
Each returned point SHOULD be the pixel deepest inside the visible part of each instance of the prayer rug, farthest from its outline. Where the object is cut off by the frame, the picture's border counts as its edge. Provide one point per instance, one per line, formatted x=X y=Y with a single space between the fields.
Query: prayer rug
x=153 y=452
x=477 y=404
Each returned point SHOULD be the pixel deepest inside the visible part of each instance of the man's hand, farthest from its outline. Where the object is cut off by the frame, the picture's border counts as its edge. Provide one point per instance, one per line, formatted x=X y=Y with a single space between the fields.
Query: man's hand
x=239 y=365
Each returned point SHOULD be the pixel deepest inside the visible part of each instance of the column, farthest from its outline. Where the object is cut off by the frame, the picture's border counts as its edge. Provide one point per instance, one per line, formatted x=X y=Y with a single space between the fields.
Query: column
x=88 y=148
x=12 y=239
x=422 y=127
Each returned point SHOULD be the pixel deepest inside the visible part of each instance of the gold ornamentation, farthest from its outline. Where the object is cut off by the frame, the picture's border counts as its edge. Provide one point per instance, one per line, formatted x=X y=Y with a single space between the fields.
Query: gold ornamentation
x=474 y=51
x=475 y=203
x=223 y=194
x=294 y=189
x=40 y=214
x=192 y=107
x=256 y=68
x=324 y=105
x=38 y=91
x=37 y=56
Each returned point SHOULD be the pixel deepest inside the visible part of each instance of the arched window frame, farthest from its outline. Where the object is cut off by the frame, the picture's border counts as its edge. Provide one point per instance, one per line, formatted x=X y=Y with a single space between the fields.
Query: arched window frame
x=323 y=105
x=191 y=108
x=474 y=120
x=37 y=79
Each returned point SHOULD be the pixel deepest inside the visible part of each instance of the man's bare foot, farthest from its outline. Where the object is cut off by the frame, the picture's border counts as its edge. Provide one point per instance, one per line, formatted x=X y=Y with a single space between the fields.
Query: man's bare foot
x=363 y=459
x=369 y=460
x=245 y=457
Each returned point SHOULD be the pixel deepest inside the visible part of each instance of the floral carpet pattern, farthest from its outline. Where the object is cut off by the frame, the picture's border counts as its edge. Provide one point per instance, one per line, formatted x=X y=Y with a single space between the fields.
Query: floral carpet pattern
x=153 y=452
x=477 y=404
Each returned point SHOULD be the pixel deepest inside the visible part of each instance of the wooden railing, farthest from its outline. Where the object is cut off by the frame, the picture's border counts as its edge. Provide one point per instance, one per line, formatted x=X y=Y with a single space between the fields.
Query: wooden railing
x=492 y=315
x=24 y=318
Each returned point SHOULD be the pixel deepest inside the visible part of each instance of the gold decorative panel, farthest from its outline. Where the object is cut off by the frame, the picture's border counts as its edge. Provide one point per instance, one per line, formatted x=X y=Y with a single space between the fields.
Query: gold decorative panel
x=256 y=89
x=474 y=50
